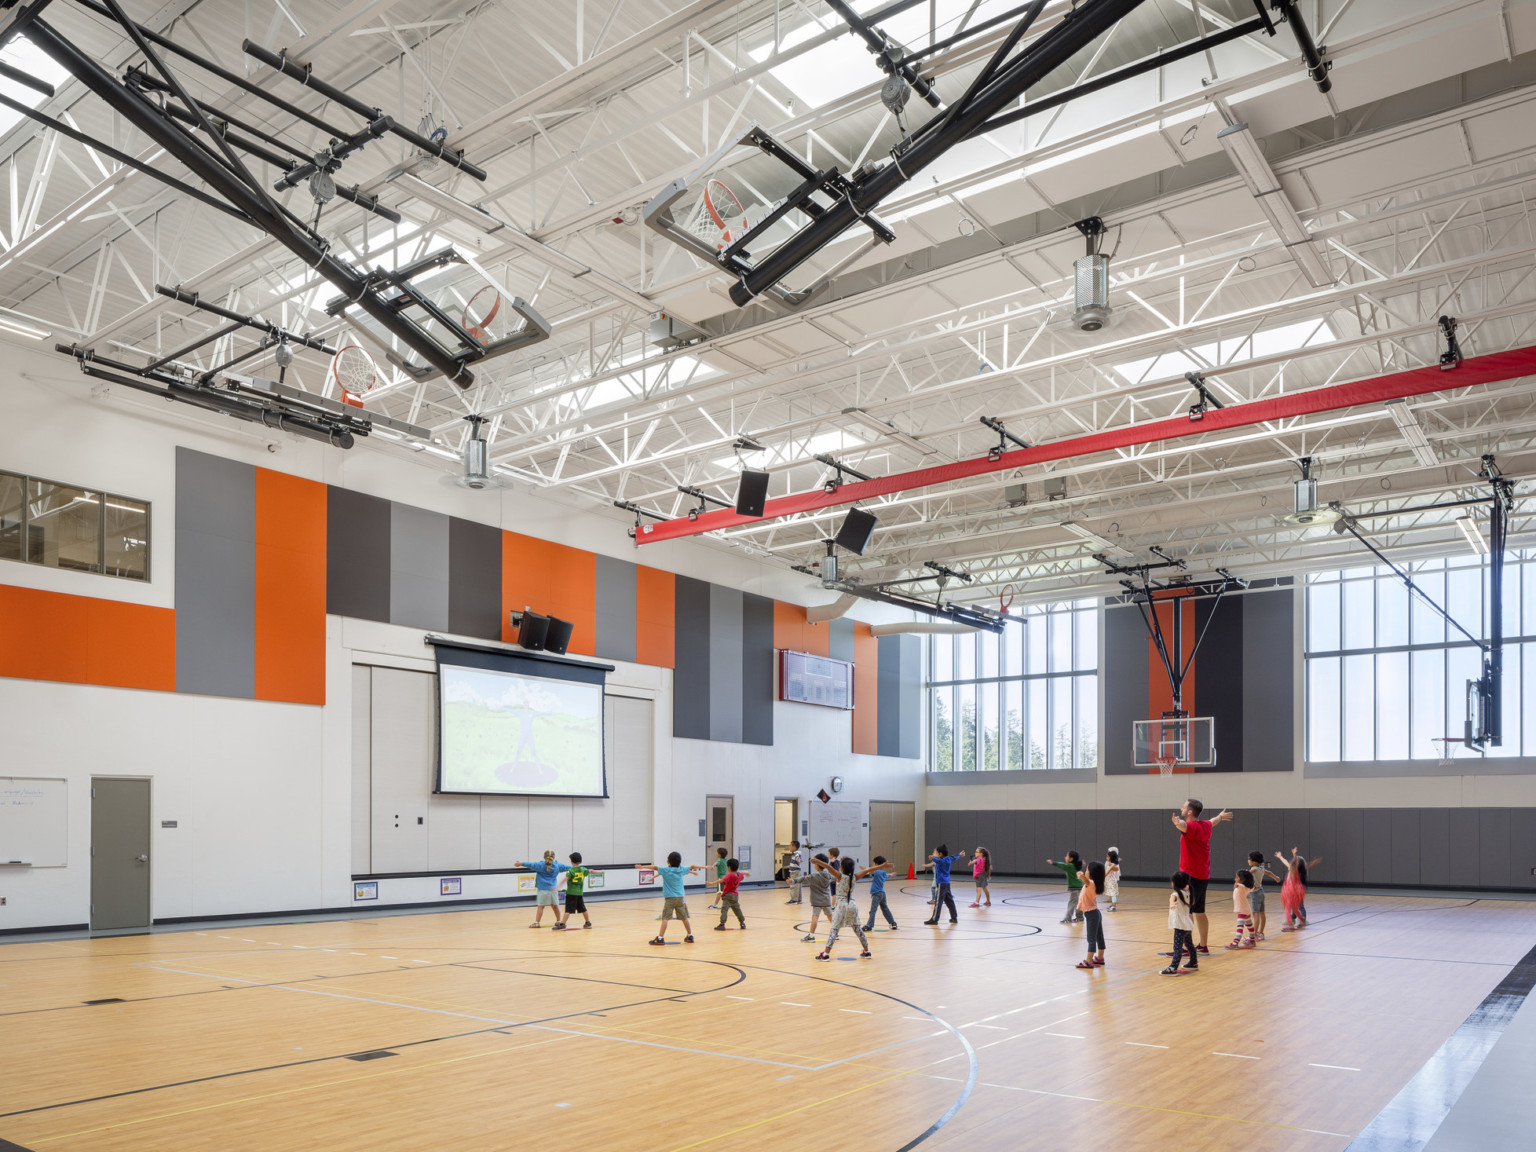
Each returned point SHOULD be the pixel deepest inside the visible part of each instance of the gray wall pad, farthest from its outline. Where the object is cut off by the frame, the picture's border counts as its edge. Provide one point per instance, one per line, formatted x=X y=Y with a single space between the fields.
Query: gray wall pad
x=418 y=568
x=474 y=579
x=215 y=575
x=615 y=604
x=726 y=607
x=758 y=670
x=690 y=674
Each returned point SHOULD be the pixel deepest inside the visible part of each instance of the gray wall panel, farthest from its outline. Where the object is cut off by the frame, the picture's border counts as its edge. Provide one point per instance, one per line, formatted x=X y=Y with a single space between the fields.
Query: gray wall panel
x=725 y=655
x=910 y=698
x=1349 y=842
x=474 y=579
x=840 y=639
x=1435 y=846
x=1376 y=845
x=888 y=713
x=1224 y=843
x=757 y=673
x=1464 y=849
x=357 y=555
x=690 y=676
x=1406 y=845
x=615 y=609
x=1522 y=840
x=1268 y=680
x=418 y=568
x=1298 y=826
x=1493 y=847
x=1323 y=841
x=1271 y=830
x=215 y=575
x=1124 y=682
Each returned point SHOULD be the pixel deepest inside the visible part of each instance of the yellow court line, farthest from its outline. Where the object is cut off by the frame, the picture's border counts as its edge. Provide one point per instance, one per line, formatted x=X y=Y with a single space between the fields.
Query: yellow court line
x=285 y=1091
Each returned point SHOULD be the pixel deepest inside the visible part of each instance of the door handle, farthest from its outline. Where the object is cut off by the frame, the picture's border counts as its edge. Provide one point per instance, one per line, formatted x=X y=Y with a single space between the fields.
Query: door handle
x=142 y=859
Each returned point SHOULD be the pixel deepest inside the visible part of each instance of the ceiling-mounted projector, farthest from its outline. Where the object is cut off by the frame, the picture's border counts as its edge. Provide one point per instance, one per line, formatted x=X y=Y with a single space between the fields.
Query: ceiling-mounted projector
x=1090 y=281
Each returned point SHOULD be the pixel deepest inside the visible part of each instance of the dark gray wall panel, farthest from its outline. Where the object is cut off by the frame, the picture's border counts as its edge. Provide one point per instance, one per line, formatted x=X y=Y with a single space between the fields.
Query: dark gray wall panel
x=690 y=676
x=1298 y=826
x=615 y=609
x=1406 y=845
x=888 y=679
x=1124 y=681
x=1269 y=681
x=474 y=579
x=1224 y=854
x=909 y=698
x=1522 y=841
x=1271 y=830
x=1348 y=867
x=757 y=670
x=725 y=663
x=1435 y=846
x=357 y=555
x=1376 y=866
x=1464 y=847
x=840 y=639
x=215 y=575
x=418 y=568
x=1218 y=675
x=1323 y=841
x=1493 y=847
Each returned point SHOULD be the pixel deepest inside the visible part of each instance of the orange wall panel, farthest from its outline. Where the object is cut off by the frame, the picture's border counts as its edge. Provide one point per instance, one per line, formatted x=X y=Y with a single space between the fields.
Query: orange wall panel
x=290 y=588
x=553 y=580
x=866 y=691
x=655 y=617
x=84 y=640
x=792 y=631
x=524 y=577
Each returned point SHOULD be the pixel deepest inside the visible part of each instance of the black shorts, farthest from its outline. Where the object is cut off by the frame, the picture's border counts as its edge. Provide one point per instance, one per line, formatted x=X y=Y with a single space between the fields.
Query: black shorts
x=1197 y=894
x=574 y=903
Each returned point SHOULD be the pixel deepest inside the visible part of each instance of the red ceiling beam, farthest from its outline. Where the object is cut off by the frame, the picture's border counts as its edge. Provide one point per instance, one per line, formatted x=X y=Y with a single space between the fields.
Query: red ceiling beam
x=1416 y=382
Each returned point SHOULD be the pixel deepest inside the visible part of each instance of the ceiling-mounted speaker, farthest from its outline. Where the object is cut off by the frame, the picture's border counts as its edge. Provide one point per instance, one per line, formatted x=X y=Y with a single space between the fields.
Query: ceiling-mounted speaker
x=558 y=638
x=858 y=527
x=533 y=631
x=752 y=492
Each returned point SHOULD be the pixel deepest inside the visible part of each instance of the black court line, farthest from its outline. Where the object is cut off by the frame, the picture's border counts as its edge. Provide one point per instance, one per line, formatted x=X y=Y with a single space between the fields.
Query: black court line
x=740 y=976
x=1416 y=1113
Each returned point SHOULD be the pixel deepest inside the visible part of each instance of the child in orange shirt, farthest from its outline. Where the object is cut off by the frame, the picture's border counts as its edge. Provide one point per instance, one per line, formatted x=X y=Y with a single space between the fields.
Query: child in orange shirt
x=1093 y=919
x=1242 y=887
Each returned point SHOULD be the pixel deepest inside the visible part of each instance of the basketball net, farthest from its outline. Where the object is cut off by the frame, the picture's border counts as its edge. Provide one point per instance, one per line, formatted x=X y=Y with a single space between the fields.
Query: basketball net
x=1166 y=764
x=1443 y=744
x=719 y=220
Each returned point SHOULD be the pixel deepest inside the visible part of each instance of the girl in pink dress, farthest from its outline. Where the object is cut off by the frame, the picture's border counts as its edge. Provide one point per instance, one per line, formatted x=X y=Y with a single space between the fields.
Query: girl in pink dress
x=981 y=872
x=1293 y=893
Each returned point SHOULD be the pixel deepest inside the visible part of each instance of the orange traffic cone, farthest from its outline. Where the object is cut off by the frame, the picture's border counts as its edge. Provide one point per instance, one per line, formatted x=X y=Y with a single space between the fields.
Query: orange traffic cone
x=912 y=871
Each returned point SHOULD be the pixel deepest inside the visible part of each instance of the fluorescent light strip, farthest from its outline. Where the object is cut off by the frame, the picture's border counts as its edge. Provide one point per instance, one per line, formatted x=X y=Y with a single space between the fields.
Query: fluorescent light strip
x=1474 y=535
x=1413 y=433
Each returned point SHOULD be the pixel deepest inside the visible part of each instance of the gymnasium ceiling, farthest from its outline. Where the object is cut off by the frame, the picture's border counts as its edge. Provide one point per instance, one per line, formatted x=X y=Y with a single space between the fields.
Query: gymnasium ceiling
x=1415 y=179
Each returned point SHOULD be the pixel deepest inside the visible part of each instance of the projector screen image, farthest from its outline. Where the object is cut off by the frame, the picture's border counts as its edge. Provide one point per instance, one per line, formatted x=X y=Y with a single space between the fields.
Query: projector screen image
x=524 y=735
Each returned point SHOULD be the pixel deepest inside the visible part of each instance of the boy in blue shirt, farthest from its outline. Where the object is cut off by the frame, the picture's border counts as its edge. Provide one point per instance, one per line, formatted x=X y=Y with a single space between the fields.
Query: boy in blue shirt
x=878 y=874
x=941 y=862
x=673 y=906
x=546 y=874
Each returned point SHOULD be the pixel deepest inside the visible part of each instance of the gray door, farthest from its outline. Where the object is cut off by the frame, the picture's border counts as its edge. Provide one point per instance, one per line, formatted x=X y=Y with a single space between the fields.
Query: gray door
x=719 y=826
x=119 y=853
x=892 y=829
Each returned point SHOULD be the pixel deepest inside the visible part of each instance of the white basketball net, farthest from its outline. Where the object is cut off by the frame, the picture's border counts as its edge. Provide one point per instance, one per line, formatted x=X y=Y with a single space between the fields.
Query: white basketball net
x=1446 y=748
x=354 y=370
x=719 y=219
x=1166 y=764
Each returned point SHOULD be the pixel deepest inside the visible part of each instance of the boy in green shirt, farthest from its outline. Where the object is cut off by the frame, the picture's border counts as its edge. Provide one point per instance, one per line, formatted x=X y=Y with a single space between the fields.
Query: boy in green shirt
x=575 y=882
x=1071 y=866
x=722 y=866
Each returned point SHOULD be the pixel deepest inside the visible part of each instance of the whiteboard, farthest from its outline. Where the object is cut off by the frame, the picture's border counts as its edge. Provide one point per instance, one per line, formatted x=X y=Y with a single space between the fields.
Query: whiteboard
x=839 y=823
x=34 y=821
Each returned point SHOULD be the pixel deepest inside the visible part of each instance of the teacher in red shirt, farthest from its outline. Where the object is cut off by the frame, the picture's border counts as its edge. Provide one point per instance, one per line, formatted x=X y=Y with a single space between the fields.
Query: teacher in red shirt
x=1195 y=858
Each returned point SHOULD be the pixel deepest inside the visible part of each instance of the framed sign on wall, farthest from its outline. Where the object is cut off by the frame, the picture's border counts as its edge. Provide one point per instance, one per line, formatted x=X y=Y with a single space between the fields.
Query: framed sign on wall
x=808 y=679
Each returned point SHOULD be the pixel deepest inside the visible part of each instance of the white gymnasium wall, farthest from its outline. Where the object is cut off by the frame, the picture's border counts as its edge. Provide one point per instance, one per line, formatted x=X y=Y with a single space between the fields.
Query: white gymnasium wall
x=262 y=793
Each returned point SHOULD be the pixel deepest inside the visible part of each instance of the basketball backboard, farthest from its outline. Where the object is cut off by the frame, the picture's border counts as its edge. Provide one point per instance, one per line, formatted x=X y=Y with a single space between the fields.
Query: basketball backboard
x=1190 y=741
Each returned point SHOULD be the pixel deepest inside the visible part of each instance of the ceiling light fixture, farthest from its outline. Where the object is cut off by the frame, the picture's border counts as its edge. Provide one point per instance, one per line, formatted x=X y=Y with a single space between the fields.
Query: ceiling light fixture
x=1413 y=433
x=872 y=427
x=17 y=328
x=1092 y=537
x=1243 y=149
x=1473 y=533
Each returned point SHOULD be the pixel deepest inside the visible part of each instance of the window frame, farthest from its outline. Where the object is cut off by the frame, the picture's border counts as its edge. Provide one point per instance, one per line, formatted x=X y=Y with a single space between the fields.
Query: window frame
x=103 y=497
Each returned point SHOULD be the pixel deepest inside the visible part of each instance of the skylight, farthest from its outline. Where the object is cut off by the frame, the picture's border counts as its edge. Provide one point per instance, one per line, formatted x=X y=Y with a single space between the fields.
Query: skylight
x=1206 y=357
x=27 y=57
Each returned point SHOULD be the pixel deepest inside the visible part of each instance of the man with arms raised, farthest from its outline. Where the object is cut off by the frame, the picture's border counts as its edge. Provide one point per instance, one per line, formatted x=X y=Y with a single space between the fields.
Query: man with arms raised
x=1195 y=858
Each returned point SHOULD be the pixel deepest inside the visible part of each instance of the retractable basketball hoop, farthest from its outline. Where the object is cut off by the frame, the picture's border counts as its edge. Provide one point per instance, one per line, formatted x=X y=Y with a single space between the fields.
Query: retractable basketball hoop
x=354 y=373
x=477 y=316
x=1174 y=744
x=720 y=217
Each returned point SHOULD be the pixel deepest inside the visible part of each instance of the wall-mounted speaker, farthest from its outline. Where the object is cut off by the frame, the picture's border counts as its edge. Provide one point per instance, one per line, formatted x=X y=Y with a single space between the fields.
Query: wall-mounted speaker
x=533 y=630
x=857 y=528
x=558 y=638
x=751 y=492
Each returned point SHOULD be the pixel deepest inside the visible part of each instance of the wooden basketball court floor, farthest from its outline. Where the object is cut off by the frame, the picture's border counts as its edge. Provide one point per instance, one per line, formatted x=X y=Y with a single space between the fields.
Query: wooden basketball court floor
x=467 y=1030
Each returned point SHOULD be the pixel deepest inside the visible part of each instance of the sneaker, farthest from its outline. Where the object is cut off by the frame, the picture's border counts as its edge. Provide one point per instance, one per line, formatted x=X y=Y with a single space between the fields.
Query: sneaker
x=808 y=938
x=974 y=904
x=687 y=939
x=1191 y=967
x=1234 y=944
x=1063 y=921
x=866 y=954
x=1260 y=936
x=893 y=927
x=743 y=925
x=930 y=921
x=954 y=921
x=1248 y=944
x=658 y=940
x=588 y=924
x=719 y=927
x=1203 y=950
x=822 y=956
x=558 y=927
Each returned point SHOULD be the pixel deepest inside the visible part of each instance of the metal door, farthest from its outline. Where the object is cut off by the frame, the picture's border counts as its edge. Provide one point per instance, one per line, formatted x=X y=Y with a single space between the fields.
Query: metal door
x=119 y=852
x=719 y=825
x=892 y=832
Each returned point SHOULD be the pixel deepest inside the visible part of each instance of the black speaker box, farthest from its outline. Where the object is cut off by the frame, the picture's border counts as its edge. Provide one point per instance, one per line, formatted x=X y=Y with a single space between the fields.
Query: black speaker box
x=559 y=637
x=533 y=631
x=751 y=492
x=857 y=528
